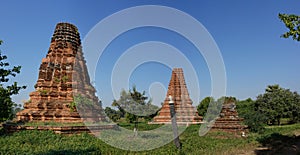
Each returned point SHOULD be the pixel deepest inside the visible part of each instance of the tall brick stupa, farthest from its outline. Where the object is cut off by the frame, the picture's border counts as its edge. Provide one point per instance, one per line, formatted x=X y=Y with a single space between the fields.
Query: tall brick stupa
x=62 y=75
x=185 y=112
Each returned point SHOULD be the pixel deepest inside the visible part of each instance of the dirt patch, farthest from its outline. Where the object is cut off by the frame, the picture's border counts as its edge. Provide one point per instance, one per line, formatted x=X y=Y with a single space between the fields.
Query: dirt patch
x=279 y=144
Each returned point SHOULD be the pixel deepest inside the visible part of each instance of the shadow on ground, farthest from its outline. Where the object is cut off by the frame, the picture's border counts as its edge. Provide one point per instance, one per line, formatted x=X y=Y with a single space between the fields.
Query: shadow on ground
x=2 y=132
x=66 y=152
x=279 y=144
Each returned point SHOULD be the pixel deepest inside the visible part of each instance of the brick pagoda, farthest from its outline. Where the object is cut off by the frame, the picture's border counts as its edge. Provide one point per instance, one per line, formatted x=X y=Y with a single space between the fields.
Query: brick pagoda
x=229 y=119
x=63 y=76
x=185 y=112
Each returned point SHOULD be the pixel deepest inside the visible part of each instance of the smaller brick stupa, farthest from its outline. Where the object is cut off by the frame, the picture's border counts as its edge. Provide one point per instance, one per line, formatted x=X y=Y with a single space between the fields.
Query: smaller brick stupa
x=229 y=119
x=185 y=112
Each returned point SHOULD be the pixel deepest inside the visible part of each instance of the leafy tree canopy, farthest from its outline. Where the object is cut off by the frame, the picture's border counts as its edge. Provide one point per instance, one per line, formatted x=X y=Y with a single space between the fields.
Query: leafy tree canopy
x=292 y=22
x=202 y=107
x=6 y=90
x=133 y=105
x=277 y=103
x=112 y=114
x=255 y=120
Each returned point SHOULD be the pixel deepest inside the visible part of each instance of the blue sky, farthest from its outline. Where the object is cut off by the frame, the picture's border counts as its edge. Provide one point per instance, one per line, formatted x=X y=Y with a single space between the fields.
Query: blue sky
x=246 y=32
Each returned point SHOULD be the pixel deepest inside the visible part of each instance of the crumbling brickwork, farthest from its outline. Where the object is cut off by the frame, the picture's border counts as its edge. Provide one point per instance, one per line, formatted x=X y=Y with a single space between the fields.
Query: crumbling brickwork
x=62 y=75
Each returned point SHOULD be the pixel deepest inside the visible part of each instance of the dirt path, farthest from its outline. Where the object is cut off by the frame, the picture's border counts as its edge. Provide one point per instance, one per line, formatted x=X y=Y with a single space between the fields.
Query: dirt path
x=287 y=146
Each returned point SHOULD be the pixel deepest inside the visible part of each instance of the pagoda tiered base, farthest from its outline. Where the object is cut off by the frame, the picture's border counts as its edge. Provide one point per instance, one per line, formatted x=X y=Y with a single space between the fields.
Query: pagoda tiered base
x=184 y=115
x=58 y=112
x=227 y=124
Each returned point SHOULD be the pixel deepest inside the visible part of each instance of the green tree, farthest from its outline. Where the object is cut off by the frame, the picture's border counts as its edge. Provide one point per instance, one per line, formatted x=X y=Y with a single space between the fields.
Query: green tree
x=294 y=110
x=292 y=22
x=277 y=103
x=255 y=120
x=202 y=107
x=134 y=105
x=244 y=106
x=112 y=114
x=6 y=91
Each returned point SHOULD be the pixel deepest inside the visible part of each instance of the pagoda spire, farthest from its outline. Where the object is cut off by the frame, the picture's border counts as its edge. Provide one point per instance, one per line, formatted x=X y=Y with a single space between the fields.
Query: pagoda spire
x=185 y=112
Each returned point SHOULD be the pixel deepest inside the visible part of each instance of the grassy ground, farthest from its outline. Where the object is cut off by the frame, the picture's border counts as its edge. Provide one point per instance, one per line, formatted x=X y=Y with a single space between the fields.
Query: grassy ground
x=142 y=126
x=277 y=139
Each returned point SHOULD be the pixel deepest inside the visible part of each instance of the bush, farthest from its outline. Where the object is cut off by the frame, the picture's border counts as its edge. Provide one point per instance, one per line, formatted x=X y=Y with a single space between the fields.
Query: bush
x=253 y=119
